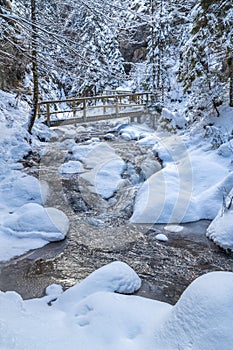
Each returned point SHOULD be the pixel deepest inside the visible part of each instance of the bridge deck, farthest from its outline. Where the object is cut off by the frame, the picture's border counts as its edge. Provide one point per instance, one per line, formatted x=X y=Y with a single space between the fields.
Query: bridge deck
x=73 y=120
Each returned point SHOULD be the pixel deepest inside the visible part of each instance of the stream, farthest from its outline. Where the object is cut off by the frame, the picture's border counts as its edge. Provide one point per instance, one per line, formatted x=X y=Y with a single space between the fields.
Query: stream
x=101 y=233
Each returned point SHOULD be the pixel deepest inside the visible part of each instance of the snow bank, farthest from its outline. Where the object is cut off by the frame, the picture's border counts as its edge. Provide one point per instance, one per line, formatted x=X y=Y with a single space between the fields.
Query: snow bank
x=24 y=223
x=91 y=316
x=188 y=188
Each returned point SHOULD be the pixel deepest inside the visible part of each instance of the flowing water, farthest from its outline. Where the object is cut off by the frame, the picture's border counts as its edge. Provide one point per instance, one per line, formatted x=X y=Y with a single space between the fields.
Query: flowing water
x=101 y=233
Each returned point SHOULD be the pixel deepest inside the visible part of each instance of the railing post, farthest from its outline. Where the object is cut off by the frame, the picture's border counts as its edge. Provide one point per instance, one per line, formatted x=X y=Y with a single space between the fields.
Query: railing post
x=73 y=108
x=48 y=113
x=84 y=110
x=117 y=105
x=104 y=105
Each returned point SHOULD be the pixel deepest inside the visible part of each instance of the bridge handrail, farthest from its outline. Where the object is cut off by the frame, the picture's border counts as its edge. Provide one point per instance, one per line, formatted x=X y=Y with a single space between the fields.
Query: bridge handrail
x=98 y=97
x=139 y=98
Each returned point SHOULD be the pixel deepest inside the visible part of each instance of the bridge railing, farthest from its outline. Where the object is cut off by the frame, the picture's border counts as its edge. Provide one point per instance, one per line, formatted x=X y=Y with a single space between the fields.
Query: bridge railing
x=84 y=107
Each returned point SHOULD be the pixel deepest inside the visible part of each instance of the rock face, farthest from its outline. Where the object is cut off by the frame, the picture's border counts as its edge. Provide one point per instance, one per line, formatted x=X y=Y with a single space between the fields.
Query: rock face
x=134 y=50
x=12 y=70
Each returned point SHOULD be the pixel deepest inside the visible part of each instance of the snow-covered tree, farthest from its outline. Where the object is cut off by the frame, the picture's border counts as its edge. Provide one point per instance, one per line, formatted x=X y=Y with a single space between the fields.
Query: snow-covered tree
x=206 y=64
x=103 y=64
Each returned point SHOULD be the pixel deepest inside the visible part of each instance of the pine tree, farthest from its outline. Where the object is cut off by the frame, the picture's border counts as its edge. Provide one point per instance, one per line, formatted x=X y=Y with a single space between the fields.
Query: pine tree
x=206 y=57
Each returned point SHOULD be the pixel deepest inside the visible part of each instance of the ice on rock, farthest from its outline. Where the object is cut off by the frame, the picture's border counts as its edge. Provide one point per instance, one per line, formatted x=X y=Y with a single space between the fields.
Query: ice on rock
x=161 y=237
x=34 y=221
x=114 y=277
x=174 y=228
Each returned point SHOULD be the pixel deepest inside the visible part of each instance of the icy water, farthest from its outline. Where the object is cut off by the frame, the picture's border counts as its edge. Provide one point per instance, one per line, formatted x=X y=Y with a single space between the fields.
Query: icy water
x=100 y=233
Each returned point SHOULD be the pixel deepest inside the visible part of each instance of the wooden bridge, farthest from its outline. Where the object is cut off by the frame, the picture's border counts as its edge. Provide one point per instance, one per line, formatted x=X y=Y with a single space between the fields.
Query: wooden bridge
x=89 y=109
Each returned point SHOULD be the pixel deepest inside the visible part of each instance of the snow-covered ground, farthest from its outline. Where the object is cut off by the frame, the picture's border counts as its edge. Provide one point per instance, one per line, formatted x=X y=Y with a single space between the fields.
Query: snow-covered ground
x=195 y=182
x=91 y=316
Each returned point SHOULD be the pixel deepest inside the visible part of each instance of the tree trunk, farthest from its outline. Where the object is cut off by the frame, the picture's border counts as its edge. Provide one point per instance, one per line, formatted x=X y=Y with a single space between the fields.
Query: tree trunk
x=33 y=112
x=231 y=89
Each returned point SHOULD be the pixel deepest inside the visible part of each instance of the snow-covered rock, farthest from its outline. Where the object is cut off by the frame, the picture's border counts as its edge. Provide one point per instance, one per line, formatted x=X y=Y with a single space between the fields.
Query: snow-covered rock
x=171 y=120
x=202 y=318
x=114 y=277
x=149 y=167
x=149 y=140
x=71 y=167
x=17 y=189
x=13 y=144
x=70 y=134
x=134 y=131
x=226 y=149
x=105 y=167
x=221 y=229
x=67 y=144
x=80 y=152
x=105 y=177
x=34 y=221
x=109 y=136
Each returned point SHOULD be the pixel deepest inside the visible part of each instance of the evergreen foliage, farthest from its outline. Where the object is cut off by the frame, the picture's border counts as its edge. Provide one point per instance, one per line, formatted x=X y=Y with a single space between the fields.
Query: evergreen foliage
x=83 y=47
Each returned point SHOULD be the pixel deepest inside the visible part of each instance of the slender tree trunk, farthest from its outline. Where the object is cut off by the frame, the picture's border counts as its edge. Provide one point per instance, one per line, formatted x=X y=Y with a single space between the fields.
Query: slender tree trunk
x=33 y=112
x=231 y=83
x=152 y=9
